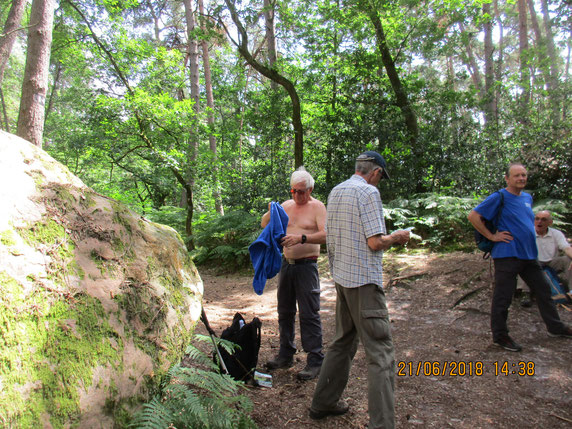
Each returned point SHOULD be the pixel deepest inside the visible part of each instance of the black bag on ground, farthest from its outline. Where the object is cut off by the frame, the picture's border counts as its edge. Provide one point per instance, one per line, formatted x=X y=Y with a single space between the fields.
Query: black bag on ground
x=484 y=244
x=242 y=363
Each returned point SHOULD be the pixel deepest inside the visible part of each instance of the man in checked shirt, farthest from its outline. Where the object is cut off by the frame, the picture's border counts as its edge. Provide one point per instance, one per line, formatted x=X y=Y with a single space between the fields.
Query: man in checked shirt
x=356 y=238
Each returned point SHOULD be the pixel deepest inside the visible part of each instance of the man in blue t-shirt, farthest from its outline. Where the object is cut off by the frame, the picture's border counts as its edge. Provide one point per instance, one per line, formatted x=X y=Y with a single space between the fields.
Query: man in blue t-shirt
x=515 y=253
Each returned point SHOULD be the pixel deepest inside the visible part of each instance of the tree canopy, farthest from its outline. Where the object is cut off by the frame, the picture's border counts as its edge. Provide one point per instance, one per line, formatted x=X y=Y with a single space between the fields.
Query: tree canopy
x=448 y=92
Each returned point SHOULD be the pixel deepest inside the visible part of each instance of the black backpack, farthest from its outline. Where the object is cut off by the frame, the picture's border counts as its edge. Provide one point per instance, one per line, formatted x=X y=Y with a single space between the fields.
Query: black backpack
x=242 y=363
x=483 y=243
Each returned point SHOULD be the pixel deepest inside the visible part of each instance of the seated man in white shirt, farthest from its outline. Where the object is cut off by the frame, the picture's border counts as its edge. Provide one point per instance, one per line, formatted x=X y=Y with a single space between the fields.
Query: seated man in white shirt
x=550 y=243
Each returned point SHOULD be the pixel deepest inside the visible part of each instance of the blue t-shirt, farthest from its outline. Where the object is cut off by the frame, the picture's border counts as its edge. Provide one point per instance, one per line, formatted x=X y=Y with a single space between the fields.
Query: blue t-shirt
x=517 y=218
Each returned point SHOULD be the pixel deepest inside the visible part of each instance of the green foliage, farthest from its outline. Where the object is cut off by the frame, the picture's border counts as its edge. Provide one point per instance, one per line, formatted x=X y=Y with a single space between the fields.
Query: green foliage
x=438 y=219
x=224 y=240
x=169 y=215
x=197 y=398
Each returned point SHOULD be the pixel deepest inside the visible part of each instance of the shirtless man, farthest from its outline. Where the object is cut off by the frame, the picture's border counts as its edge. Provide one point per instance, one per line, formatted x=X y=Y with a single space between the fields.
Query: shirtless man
x=299 y=280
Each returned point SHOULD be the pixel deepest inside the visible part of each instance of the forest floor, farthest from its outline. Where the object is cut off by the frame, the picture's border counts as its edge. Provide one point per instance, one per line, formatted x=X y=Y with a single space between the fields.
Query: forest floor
x=429 y=330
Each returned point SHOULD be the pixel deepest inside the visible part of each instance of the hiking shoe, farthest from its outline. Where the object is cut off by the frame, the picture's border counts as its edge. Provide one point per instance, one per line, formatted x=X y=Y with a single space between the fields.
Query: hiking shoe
x=309 y=373
x=341 y=408
x=507 y=343
x=280 y=362
x=526 y=300
x=566 y=333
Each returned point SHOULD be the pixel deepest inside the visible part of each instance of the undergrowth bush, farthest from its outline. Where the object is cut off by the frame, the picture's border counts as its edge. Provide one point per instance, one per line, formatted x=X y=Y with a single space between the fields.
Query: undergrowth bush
x=168 y=215
x=197 y=397
x=224 y=240
x=441 y=221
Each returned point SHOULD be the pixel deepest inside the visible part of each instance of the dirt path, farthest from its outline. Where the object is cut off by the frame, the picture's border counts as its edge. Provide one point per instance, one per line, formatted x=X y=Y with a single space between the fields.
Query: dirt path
x=428 y=333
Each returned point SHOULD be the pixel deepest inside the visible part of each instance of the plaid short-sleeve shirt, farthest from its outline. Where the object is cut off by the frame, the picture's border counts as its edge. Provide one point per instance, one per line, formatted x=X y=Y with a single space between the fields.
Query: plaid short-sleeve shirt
x=355 y=213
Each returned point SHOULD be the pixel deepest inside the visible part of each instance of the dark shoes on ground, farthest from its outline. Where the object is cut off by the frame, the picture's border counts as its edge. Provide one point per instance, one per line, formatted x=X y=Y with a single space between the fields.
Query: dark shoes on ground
x=309 y=373
x=341 y=408
x=566 y=333
x=526 y=300
x=507 y=343
x=280 y=362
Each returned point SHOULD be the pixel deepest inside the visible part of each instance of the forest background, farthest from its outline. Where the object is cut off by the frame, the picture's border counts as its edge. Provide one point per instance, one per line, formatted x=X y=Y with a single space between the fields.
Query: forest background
x=196 y=113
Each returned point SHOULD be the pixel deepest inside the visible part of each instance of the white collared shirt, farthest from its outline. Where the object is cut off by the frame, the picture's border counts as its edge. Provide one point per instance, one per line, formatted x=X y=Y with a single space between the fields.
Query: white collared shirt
x=550 y=244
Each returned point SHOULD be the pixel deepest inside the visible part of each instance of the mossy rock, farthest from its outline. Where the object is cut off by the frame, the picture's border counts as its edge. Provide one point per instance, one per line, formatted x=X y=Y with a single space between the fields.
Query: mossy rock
x=96 y=302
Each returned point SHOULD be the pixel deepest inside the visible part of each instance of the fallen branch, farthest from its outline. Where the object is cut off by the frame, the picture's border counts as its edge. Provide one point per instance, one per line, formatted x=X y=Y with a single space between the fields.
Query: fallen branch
x=470 y=279
x=394 y=280
x=467 y=295
x=561 y=418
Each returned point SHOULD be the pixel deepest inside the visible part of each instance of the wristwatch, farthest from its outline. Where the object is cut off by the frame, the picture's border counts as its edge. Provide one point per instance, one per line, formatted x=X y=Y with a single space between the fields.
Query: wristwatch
x=304 y=238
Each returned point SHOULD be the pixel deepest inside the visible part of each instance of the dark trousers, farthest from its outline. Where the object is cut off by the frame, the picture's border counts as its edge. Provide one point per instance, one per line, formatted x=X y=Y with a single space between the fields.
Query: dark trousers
x=506 y=271
x=300 y=283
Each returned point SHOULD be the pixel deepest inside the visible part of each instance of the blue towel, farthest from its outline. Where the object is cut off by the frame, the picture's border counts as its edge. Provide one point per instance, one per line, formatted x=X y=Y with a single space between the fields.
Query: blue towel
x=266 y=250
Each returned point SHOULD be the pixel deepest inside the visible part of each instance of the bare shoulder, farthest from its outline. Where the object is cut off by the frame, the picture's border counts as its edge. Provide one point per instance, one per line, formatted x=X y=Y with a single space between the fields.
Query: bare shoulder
x=318 y=205
x=288 y=204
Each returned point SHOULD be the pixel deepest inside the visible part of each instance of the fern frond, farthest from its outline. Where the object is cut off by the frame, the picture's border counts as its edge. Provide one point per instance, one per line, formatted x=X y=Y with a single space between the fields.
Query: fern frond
x=154 y=414
x=200 y=358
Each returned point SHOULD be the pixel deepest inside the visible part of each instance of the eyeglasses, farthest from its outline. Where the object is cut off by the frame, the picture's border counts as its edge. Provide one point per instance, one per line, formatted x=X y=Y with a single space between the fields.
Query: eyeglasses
x=297 y=191
x=544 y=219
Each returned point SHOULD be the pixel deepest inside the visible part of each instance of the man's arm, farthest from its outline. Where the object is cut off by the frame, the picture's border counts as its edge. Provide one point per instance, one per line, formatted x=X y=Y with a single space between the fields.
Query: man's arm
x=265 y=218
x=568 y=252
x=384 y=242
x=475 y=219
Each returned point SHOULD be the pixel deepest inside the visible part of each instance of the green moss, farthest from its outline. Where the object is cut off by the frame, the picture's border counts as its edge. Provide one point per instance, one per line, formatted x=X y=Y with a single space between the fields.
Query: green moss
x=50 y=234
x=49 y=346
x=122 y=216
x=7 y=238
x=140 y=303
x=88 y=200
x=37 y=176
x=63 y=195
x=105 y=267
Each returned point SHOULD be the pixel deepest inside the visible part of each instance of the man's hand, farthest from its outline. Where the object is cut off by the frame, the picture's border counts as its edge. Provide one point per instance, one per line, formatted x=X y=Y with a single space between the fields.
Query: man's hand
x=290 y=240
x=401 y=236
x=503 y=236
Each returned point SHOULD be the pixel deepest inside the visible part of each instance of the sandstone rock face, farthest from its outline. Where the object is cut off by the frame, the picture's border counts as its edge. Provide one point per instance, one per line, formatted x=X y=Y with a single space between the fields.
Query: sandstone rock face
x=96 y=302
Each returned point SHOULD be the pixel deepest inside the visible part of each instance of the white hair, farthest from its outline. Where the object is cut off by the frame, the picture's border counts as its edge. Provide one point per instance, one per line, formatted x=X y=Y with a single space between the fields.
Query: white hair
x=301 y=175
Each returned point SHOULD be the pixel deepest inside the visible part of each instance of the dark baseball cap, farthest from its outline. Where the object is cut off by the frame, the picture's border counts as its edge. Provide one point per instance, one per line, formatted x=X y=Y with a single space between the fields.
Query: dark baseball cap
x=376 y=158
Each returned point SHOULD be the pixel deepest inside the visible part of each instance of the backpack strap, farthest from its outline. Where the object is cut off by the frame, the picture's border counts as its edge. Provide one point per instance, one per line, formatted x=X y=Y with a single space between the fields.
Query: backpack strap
x=497 y=218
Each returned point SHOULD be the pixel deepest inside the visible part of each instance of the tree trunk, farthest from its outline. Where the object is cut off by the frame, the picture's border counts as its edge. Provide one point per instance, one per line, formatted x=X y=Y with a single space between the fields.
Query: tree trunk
x=400 y=94
x=34 y=87
x=473 y=67
x=553 y=83
x=276 y=77
x=489 y=101
x=53 y=93
x=10 y=32
x=210 y=114
x=523 y=56
x=500 y=59
x=194 y=136
x=270 y=37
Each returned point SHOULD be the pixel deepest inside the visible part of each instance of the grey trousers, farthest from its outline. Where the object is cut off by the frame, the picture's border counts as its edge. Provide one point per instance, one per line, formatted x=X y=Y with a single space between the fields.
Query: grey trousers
x=361 y=314
x=300 y=283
